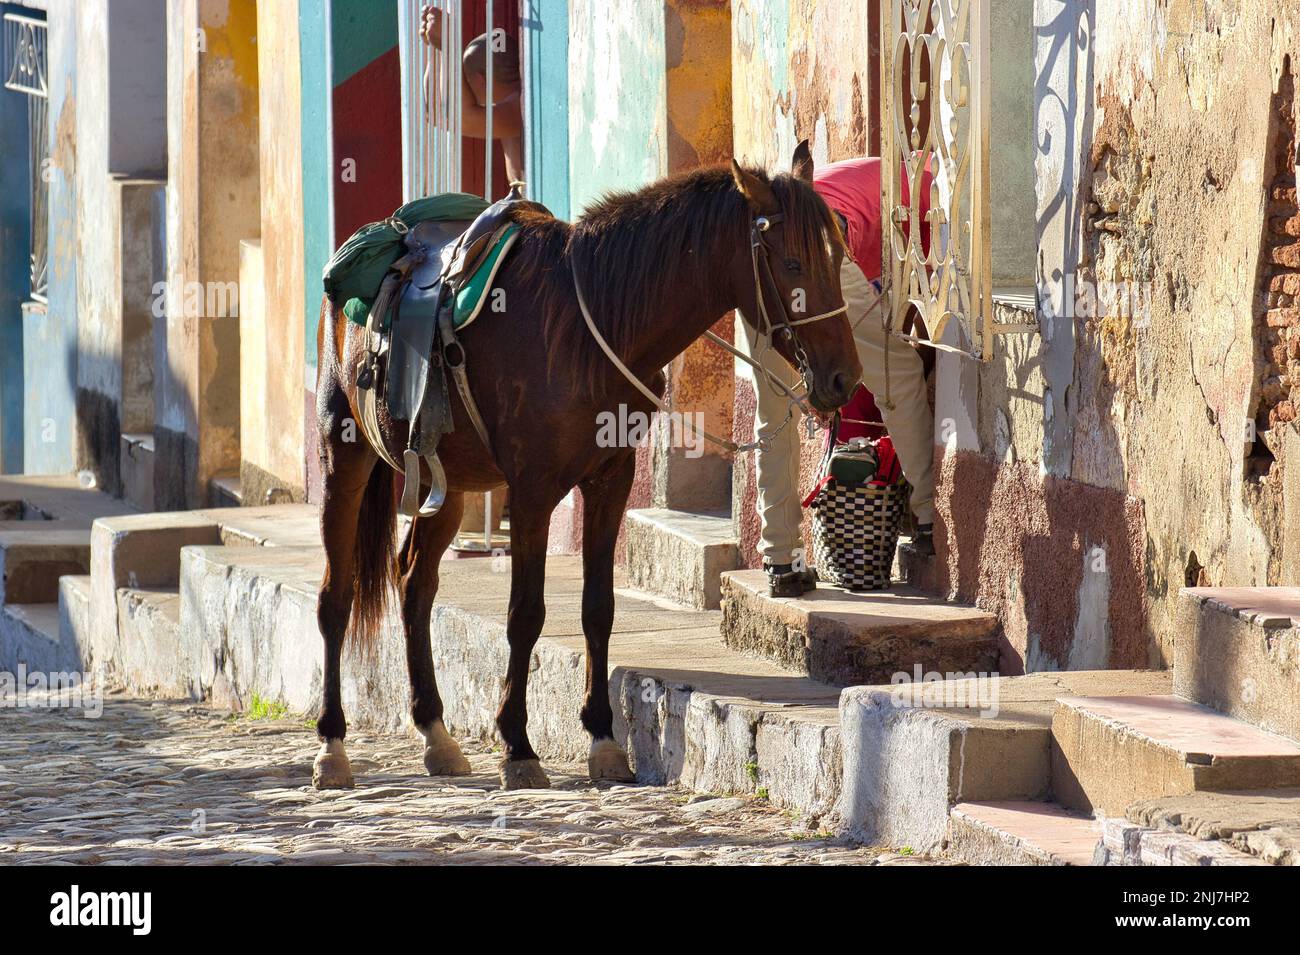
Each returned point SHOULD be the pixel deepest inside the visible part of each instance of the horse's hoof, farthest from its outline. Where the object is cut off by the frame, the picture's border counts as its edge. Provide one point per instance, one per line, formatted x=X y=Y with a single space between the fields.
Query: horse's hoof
x=608 y=761
x=523 y=774
x=331 y=769
x=442 y=755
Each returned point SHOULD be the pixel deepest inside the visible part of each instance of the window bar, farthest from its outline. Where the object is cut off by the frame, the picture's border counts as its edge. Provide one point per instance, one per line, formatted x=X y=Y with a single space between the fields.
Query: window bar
x=458 y=85
x=487 y=137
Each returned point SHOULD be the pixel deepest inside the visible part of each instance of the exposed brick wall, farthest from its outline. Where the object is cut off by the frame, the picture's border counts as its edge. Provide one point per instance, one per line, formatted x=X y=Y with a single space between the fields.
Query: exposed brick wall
x=1278 y=335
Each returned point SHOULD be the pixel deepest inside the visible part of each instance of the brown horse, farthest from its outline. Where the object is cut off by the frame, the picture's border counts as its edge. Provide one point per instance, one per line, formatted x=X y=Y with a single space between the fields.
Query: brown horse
x=657 y=267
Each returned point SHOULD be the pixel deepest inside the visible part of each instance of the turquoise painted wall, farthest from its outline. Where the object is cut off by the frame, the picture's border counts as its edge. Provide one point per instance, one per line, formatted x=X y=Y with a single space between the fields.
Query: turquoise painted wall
x=544 y=29
x=617 y=84
x=314 y=33
x=50 y=338
x=15 y=247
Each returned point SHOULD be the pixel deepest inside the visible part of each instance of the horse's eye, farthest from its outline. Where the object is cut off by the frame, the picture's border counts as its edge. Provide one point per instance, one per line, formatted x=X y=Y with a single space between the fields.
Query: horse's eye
x=792 y=265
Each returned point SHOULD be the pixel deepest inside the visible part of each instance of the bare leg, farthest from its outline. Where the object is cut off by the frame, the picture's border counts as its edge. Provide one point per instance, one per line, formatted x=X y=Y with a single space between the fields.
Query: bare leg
x=425 y=545
x=603 y=500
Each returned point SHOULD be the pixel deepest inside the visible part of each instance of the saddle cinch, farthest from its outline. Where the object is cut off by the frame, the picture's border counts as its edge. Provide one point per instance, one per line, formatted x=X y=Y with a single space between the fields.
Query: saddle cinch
x=437 y=287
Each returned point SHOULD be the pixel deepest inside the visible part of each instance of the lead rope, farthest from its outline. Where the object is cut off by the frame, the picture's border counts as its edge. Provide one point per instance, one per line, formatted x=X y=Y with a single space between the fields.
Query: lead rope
x=761 y=444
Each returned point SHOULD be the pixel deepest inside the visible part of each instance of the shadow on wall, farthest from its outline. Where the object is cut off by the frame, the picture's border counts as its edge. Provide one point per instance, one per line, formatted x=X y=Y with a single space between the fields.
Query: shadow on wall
x=1064 y=112
x=1060 y=561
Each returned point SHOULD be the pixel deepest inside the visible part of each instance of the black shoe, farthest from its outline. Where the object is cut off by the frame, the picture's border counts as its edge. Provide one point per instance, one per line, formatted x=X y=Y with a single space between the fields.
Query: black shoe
x=923 y=540
x=784 y=581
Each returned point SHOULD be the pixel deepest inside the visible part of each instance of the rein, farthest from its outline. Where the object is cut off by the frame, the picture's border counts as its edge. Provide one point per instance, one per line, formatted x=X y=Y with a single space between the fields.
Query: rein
x=762 y=273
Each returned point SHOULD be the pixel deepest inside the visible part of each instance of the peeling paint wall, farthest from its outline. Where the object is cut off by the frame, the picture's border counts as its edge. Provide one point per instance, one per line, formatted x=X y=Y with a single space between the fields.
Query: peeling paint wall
x=801 y=69
x=1165 y=159
x=50 y=332
x=212 y=196
x=272 y=363
x=15 y=252
x=617 y=85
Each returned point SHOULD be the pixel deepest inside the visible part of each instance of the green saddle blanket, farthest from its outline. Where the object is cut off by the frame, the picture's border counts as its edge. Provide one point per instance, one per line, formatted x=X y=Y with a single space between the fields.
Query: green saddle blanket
x=470 y=298
x=360 y=264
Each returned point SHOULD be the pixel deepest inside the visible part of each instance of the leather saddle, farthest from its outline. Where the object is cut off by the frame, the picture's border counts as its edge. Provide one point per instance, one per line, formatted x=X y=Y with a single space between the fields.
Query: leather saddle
x=441 y=257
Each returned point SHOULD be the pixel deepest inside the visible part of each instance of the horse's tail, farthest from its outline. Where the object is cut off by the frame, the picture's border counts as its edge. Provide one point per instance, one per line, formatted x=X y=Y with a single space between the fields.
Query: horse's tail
x=374 y=576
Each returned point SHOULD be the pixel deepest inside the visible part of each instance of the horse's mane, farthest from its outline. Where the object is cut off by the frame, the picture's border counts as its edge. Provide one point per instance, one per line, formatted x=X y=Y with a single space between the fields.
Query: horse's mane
x=637 y=251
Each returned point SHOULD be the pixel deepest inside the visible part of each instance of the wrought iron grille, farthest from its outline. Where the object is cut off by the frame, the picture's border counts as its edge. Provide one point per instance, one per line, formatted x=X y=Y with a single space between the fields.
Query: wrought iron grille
x=26 y=63
x=950 y=40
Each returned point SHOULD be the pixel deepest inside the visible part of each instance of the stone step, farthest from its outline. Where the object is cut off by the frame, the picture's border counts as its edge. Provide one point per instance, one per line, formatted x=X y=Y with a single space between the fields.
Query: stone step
x=912 y=751
x=60 y=497
x=1238 y=651
x=921 y=573
x=848 y=638
x=1263 y=825
x=32 y=561
x=679 y=554
x=1109 y=752
x=1021 y=833
x=29 y=637
x=1124 y=843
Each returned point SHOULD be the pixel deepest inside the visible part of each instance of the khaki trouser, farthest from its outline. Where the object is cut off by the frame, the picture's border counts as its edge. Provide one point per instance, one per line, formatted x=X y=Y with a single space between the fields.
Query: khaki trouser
x=910 y=422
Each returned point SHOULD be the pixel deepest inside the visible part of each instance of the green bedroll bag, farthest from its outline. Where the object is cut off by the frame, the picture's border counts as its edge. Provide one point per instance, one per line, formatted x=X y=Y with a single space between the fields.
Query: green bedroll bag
x=357 y=268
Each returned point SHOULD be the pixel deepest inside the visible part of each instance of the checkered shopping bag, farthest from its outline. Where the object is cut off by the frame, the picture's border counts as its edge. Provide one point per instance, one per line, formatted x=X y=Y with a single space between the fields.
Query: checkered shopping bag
x=855 y=527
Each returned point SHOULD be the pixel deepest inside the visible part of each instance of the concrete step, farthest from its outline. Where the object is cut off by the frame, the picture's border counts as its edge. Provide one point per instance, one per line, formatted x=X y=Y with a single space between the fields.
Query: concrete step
x=912 y=751
x=31 y=561
x=45 y=533
x=136 y=469
x=1021 y=833
x=1238 y=651
x=29 y=637
x=1110 y=752
x=680 y=555
x=142 y=552
x=848 y=638
x=148 y=642
x=688 y=709
x=59 y=497
x=74 y=618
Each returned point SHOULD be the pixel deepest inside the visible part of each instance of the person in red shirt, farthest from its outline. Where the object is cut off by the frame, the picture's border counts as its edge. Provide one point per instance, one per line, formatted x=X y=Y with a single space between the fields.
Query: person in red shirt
x=852 y=189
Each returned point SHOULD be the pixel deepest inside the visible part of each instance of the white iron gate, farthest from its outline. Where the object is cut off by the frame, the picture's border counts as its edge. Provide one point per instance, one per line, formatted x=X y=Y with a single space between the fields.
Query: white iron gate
x=26 y=52
x=433 y=84
x=953 y=281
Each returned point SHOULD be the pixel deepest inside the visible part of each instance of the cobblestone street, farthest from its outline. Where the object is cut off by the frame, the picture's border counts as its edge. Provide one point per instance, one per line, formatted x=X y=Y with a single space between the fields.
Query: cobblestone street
x=173 y=783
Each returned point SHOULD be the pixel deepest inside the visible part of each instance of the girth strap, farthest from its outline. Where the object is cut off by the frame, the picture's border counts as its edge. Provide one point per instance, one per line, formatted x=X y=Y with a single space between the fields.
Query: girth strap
x=452 y=348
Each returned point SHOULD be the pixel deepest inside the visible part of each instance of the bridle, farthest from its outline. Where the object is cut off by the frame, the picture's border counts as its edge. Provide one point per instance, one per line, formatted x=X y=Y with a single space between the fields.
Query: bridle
x=763 y=325
x=763 y=281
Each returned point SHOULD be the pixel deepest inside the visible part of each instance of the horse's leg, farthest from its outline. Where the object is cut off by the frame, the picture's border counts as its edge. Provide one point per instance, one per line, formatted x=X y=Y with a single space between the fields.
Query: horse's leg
x=603 y=499
x=347 y=470
x=426 y=543
x=529 y=525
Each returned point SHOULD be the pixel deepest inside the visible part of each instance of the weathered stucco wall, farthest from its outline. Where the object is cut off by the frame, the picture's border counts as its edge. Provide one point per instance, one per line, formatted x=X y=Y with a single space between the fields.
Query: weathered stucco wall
x=801 y=69
x=212 y=196
x=617 y=85
x=50 y=332
x=272 y=360
x=649 y=94
x=1166 y=158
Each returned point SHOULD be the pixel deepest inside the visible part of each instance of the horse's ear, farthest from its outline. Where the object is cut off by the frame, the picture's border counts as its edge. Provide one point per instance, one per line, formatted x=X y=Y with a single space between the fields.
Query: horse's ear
x=756 y=191
x=802 y=165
